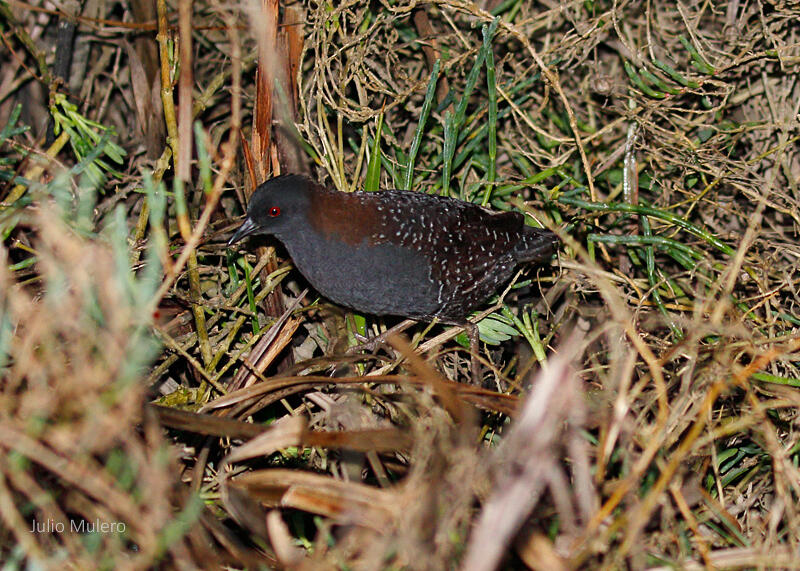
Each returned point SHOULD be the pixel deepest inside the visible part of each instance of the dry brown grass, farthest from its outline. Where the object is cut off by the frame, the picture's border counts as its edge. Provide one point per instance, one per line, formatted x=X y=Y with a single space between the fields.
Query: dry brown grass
x=642 y=416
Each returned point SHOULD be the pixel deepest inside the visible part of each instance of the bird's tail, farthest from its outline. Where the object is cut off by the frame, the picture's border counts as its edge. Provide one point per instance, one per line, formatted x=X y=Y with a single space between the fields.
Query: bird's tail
x=536 y=245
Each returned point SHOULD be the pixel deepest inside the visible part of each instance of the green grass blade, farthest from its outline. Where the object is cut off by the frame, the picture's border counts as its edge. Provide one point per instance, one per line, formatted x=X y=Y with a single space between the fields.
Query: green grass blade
x=430 y=93
x=373 y=180
x=491 y=174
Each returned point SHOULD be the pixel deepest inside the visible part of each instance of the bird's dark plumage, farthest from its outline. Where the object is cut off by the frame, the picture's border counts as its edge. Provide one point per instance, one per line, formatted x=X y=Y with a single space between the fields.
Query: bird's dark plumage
x=394 y=252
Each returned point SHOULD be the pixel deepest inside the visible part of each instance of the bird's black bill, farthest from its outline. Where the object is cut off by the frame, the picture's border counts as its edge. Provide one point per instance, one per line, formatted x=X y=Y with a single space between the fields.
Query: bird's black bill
x=247 y=228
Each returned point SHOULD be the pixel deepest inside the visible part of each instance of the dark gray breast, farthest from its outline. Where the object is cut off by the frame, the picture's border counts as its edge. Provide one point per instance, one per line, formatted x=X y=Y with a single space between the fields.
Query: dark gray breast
x=381 y=279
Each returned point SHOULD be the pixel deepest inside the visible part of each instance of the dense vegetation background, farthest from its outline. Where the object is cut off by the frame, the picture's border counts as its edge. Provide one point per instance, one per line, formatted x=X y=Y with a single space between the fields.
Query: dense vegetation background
x=638 y=400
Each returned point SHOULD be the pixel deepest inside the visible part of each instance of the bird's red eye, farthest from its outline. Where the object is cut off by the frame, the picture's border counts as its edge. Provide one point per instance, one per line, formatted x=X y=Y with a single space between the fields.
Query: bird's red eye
x=274 y=211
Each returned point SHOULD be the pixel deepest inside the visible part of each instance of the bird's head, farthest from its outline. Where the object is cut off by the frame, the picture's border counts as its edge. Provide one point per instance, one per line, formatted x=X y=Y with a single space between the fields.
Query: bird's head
x=276 y=206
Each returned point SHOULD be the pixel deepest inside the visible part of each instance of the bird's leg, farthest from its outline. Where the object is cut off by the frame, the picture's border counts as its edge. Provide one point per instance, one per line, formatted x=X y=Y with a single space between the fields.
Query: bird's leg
x=473 y=334
x=378 y=340
x=469 y=328
x=474 y=348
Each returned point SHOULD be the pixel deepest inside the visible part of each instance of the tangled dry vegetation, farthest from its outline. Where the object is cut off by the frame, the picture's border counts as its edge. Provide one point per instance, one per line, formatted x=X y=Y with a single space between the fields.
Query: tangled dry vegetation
x=638 y=406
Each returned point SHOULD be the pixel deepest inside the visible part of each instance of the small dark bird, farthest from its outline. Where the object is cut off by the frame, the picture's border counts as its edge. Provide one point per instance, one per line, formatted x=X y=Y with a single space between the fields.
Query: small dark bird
x=395 y=252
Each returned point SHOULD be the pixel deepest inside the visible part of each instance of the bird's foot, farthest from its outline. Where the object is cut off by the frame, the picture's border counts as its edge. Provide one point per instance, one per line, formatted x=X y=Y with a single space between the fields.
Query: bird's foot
x=372 y=344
